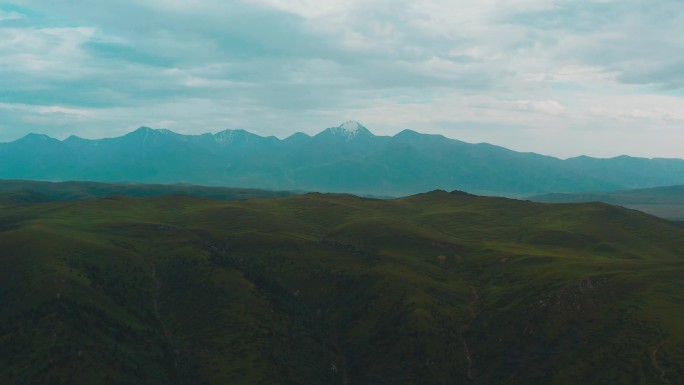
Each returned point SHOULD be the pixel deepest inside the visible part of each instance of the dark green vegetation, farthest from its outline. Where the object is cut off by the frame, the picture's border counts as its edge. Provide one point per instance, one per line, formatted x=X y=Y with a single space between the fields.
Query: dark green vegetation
x=16 y=192
x=437 y=288
x=666 y=202
x=348 y=158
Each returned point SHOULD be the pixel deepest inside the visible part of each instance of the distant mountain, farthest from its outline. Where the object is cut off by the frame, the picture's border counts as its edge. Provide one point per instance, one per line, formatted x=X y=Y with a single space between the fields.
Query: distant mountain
x=666 y=202
x=347 y=158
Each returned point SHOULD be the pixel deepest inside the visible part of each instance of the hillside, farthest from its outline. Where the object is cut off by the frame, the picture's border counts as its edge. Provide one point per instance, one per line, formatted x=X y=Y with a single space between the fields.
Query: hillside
x=27 y=192
x=666 y=202
x=435 y=288
x=347 y=158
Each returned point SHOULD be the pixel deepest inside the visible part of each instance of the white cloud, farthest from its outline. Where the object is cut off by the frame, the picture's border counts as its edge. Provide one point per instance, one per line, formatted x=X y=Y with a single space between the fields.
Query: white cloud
x=52 y=52
x=550 y=107
x=10 y=15
x=314 y=9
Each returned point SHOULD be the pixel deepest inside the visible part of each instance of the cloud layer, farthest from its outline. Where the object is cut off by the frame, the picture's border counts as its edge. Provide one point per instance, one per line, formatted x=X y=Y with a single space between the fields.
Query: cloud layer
x=562 y=77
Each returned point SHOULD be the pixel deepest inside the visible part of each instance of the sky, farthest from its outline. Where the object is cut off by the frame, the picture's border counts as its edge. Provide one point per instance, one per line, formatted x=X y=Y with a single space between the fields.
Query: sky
x=557 y=77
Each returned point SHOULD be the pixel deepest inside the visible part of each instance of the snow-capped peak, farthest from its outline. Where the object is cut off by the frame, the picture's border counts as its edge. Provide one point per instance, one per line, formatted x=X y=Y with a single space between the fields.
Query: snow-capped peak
x=351 y=126
x=348 y=130
x=227 y=137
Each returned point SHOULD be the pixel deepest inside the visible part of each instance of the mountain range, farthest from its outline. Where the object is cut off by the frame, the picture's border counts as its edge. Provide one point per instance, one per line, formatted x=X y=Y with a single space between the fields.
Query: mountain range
x=347 y=158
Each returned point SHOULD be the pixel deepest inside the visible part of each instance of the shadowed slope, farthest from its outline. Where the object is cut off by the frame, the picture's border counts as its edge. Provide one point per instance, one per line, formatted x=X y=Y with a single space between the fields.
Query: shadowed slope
x=434 y=288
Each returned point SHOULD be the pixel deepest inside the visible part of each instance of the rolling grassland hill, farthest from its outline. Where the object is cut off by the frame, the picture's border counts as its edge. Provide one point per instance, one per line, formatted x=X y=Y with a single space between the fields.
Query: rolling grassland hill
x=666 y=202
x=28 y=192
x=435 y=288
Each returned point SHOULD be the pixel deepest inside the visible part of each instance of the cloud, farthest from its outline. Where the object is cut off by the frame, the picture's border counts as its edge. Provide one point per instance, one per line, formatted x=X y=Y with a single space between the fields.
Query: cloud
x=551 y=107
x=45 y=52
x=515 y=73
x=10 y=15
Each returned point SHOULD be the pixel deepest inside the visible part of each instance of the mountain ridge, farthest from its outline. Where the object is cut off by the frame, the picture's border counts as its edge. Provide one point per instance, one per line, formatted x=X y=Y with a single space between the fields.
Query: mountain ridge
x=346 y=158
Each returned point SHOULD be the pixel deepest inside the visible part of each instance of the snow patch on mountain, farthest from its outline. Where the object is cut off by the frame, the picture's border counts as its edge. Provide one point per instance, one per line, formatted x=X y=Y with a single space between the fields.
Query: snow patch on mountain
x=228 y=136
x=351 y=126
x=348 y=130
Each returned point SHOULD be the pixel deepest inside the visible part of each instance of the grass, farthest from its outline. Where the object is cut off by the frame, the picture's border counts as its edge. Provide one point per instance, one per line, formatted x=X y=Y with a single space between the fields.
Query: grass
x=430 y=289
x=665 y=202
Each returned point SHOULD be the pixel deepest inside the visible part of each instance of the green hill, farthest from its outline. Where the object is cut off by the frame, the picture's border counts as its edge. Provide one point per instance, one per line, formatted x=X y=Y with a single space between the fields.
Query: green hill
x=666 y=202
x=14 y=192
x=436 y=288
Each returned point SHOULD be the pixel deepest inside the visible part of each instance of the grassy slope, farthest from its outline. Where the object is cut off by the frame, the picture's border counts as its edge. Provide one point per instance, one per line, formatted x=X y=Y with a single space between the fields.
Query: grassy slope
x=665 y=202
x=28 y=192
x=431 y=289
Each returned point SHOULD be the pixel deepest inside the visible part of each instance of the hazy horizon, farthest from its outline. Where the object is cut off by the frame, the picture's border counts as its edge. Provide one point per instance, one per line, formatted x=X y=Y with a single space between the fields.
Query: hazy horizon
x=564 y=78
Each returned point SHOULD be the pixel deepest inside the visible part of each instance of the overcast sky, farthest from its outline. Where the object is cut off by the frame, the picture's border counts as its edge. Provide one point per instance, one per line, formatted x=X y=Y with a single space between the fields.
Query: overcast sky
x=559 y=77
